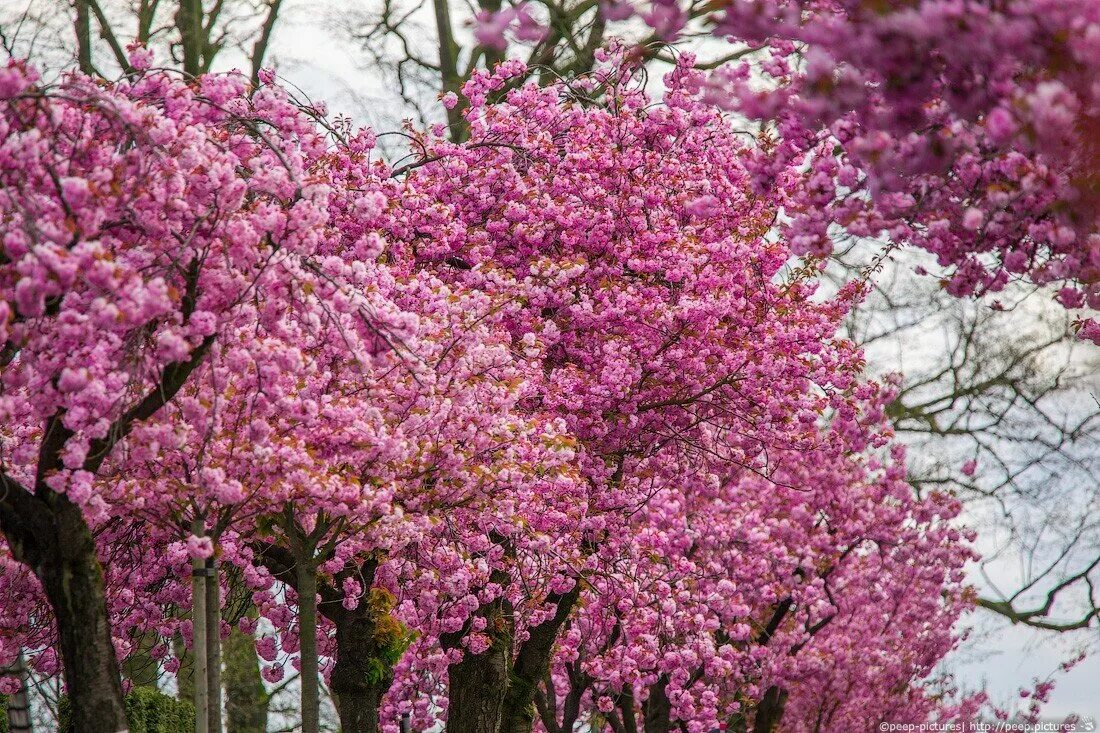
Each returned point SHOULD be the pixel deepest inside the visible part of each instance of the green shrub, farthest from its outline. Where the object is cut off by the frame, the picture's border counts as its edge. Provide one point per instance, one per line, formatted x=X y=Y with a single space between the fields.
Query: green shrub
x=3 y=714
x=148 y=711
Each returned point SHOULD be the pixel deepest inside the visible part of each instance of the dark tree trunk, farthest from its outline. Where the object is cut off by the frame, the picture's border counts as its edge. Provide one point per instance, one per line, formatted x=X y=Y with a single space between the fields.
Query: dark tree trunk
x=82 y=26
x=189 y=18
x=531 y=665
x=47 y=533
x=73 y=581
x=477 y=687
x=478 y=683
x=358 y=707
x=657 y=710
x=361 y=675
x=770 y=710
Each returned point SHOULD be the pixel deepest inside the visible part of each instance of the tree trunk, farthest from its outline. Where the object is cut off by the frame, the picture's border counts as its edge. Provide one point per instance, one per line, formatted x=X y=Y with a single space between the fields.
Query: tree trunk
x=73 y=581
x=363 y=672
x=82 y=27
x=656 y=709
x=361 y=675
x=476 y=690
x=189 y=21
x=246 y=698
x=478 y=683
x=198 y=638
x=358 y=707
x=531 y=665
x=214 y=646
x=770 y=710
x=307 y=629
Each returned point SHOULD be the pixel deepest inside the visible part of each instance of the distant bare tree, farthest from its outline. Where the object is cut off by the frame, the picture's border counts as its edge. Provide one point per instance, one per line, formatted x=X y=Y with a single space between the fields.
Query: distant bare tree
x=93 y=34
x=999 y=408
x=426 y=48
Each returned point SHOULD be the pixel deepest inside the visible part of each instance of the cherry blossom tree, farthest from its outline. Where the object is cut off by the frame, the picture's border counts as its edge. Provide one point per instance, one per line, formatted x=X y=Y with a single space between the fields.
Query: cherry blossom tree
x=629 y=239
x=963 y=127
x=142 y=222
x=554 y=407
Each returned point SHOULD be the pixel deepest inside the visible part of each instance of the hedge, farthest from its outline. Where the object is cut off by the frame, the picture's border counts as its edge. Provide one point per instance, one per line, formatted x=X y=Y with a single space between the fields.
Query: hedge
x=148 y=711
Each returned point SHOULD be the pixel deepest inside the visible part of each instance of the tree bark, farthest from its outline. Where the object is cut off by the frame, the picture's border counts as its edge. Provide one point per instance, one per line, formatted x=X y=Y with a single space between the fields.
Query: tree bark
x=213 y=647
x=477 y=684
x=531 y=665
x=307 y=630
x=73 y=581
x=259 y=50
x=189 y=21
x=770 y=710
x=47 y=533
x=362 y=674
x=656 y=710
x=82 y=26
x=450 y=78
x=477 y=688
x=198 y=638
x=357 y=691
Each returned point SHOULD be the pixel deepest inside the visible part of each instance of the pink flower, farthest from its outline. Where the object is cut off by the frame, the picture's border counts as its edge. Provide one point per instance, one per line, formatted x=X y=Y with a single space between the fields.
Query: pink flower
x=266 y=649
x=140 y=57
x=972 y=219
x=273 y=673
x=527 y=28
x=490 y=27
x=1089 y=330
x=72 y=379
x=666 y=19
x=703 y=206
x=1070 y=297
x=200 y=547
x=171 y=346
x=616 y=10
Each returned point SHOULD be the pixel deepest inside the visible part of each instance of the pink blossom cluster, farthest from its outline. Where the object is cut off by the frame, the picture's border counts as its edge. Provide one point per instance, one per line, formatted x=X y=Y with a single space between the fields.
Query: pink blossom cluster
x=965 y=127
x=730 y=449
x=569 y=358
